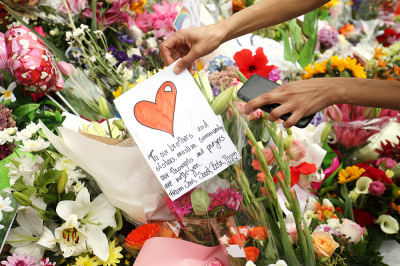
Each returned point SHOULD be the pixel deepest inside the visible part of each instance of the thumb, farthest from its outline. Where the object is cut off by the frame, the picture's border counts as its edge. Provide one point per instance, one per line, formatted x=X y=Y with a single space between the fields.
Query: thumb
x=185 y=62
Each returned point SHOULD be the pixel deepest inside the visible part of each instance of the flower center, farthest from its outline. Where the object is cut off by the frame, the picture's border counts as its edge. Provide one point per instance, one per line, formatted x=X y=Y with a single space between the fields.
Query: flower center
x=70 y=235
x=7 y=94
x=252 y=68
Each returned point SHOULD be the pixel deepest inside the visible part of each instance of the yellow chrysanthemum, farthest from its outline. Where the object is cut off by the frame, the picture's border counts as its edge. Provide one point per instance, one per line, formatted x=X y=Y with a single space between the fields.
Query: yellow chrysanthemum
x=85 y=261
x=115 y=255
x=137 y=6
x=350 y=173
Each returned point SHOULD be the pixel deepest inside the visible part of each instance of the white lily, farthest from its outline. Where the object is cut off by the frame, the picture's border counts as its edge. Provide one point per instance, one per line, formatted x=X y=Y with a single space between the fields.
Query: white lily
x=31 y=236
x=8 y=94
x=388 y=224
x=362 y=185
x=93 y=216
x=25 y=167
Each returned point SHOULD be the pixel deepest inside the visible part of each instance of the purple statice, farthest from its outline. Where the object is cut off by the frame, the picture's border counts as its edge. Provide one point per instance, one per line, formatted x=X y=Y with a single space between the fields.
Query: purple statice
x=225 y=77
x=219 y=62
x=327 y=38
x=216 y=91
x=46 y=262
x=318 y=119
x=20 y=260
x=274 y=75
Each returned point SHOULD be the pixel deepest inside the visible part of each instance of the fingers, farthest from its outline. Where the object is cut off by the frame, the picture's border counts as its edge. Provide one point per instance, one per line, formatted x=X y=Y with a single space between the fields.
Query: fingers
x=292 y=120
x=266 y=98
x=167 y=48
x=186 y=62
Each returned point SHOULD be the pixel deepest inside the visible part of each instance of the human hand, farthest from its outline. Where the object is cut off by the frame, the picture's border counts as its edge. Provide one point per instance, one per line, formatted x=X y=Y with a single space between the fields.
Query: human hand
x=190 y=44
x=301 y=98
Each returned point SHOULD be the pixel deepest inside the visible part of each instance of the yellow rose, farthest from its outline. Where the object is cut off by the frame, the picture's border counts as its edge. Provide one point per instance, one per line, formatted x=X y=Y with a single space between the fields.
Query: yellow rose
x=324 y=244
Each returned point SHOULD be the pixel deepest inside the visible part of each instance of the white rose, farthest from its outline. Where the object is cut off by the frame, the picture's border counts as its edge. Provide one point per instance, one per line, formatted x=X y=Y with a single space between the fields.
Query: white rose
x=127 y=74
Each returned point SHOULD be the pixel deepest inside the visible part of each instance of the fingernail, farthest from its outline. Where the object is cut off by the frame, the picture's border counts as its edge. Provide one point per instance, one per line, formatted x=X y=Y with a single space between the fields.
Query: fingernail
x=178 y=69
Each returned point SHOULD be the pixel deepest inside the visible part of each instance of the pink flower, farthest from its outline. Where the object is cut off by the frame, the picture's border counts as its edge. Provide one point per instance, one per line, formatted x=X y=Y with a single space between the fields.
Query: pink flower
x=376 y=188
x=389 y=113
x=75 y=6
x=46 y=262
x=297 y=151
x=351 y=230
x=335 y=164
x=351 y=134
x=20 y=260
x=389 y=162
x=214 y=262
x=165 y=28
x=40 y=30
x=252 y=116
x=66 y=68
x=145 y=21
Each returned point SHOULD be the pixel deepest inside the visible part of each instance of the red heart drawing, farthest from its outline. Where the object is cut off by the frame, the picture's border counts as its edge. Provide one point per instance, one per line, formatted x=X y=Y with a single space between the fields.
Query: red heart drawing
x=158 y=115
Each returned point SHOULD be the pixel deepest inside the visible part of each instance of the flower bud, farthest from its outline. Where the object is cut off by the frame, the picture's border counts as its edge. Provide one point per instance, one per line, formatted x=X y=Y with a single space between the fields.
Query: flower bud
x=288 y=206
x=220 y=104
x=22 y=199
x=287 y=143
x=43 y=216
x=289 y=131
x=103 y=107
x=125 y=87
x=119 y=124
x=115 y=131
x=62 y=180
x=99 y=130
x=323 y=260
x=325 y=132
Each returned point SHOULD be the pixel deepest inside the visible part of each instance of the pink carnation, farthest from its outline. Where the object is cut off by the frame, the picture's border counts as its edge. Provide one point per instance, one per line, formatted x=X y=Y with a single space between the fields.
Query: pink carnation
x=376 y=188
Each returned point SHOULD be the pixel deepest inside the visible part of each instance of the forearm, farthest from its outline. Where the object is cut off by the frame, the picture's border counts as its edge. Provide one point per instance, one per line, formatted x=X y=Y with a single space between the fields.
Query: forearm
x=264 y=14
x=367 y=92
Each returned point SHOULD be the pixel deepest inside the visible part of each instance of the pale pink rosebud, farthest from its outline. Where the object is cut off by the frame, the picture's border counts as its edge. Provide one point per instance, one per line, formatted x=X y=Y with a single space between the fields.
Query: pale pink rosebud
x=66 y=68
x=297 y=151
x=214 y=262
x=376 y=188
x=224 y=240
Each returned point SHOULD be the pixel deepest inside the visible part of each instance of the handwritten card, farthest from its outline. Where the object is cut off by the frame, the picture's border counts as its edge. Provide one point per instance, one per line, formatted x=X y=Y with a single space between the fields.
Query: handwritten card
x=176 y=130
x=188 y=16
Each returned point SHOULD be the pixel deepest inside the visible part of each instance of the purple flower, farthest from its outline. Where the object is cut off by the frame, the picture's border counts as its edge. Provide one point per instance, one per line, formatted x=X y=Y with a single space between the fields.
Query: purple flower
x=318 y=119
x=121 y=56
x=5 y=150
x=274 y=75
x=20 y=260
x=112 y=50
x=376 y=188
x=328 y=37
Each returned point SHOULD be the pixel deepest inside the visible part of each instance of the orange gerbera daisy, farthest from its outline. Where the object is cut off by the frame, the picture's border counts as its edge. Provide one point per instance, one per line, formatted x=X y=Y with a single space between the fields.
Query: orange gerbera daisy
x=378 y=52
x=137 y=237
x=324 y=212
x=347 y=28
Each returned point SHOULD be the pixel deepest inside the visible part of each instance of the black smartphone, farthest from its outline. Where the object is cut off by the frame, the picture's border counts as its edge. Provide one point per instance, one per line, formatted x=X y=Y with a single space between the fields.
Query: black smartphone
x=257 y=85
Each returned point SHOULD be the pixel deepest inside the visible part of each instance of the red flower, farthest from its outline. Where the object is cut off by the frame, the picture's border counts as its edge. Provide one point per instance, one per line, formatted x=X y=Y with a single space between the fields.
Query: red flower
x=249 y=64
x=377 y=175
x=390 y=150
x=363 y=218
x=252 y=253
x=303 y=168
x=238 y=239
x=3 y=14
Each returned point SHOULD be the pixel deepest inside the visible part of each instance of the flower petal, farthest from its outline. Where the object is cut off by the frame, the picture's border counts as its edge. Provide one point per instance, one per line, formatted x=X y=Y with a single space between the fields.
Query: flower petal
x=103 y=212
x=12 y=86
x=68 y=207
x=47 y=239
x=97 y=240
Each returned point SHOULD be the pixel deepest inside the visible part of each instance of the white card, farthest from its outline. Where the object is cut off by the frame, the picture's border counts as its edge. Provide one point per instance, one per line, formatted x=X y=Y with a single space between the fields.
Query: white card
x=236 y=251
x=302 y=195
x=188 y=16
x=176 y=130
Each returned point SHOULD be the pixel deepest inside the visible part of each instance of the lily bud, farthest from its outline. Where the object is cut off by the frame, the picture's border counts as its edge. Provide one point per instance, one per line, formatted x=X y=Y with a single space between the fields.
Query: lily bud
x=103 y=107
x=287 y=143
x=323 y=260
x=43 y=216
x=325 y=132
x=288 y=206
x=22 y=199
x=220 y=104
x=125 y=87
x=99 y=130
x=62 y=180
x=119 y=124
x=115 y=131
x=289 y=131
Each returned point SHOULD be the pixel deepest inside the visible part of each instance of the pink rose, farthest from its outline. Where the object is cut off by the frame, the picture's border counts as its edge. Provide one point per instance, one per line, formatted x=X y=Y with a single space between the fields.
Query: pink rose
x=214 y=262
x=376 y=188
x=351 y=230
x=297 y=151
x=389 y=162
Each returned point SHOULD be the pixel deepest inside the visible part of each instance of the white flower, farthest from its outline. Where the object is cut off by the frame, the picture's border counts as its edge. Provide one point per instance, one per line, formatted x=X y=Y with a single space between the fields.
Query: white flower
x=111 y=59
x=127 y=74
x=4 y=138
x=388 y=224
x=72 y=240
x=333 y=223
x=84 y=27
x=8 y=94
x=362 y=185
x=25 y=19
x=34 y=145
x=327 y=203
x=78 y=187
x=11 y=131
x=279 y=263
x=98 y=33
x=353 y=195
x=67 y=165
x=5 y=206
x=52 y=17
x=92 y=59
x=152 y=42
x=250 y=263
x=42 y=15
x=133 y=51
x=28 y=132
x=308 y=215
x=94 y=217
x=68 y=35
x=78 y=33
x=26 y=167
x=30 y=237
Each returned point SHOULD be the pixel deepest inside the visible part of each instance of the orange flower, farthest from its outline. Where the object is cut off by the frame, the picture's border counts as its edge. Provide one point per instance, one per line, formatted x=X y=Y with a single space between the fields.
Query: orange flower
x=258 y=233
x=324 y=212
x=166 y=232
x=381 y=63
x=396 y=70
x=137 y=237
x=252 y=253
x=324 y=244
x=378 y=52
x=238 y=239
x=347 y=28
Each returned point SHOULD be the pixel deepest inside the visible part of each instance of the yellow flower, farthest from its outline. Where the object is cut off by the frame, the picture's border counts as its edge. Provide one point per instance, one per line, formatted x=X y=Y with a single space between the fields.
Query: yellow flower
x=395 y=206
x=86 y=261
x=311 y=71
x=338 y=62
x=332 y=3
x=115 y=255
x=137 y=6
x=350 y=173
x=321 y=68
x=356 y=68
x=118 y=92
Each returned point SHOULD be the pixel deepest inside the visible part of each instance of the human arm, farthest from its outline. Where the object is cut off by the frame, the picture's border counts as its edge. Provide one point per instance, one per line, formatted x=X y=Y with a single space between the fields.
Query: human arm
x=191 y=44
x=306 y=97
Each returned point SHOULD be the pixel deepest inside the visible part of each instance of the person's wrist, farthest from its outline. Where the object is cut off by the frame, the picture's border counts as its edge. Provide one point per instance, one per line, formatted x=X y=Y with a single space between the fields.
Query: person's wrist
x=222 y=31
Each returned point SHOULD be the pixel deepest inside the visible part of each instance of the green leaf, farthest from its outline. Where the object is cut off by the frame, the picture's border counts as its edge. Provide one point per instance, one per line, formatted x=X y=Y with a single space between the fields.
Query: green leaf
x=6 y=76
x=25 y=109
x=375 y=239
x=200 y=201
x=50 y=177
x=349 y=207
x=306 y=54
x=295 y=31
x=58 y=116
x=287 y=54
x=276 y=235
x=310 y=245
x=15 y=163
x=309 y=22
x=31 y=116
x=6 y=103
x=242 y=78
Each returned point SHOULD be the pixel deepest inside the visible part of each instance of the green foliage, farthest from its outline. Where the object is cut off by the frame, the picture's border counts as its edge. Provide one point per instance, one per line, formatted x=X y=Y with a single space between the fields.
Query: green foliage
x=200 y=201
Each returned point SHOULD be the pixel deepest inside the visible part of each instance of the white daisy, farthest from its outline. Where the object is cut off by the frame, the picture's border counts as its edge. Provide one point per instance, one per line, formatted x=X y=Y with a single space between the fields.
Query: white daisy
x=8 y=94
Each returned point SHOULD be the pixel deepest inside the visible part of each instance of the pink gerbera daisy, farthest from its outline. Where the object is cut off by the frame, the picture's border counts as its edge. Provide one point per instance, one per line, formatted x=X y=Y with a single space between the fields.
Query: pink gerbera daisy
x=47 y=262
x=20 y=260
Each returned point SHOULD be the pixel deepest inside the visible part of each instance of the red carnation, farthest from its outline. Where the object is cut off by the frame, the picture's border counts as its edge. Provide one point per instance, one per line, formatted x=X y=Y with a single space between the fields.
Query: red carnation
x=363 y=218
x=249 y=64
x=377 y=175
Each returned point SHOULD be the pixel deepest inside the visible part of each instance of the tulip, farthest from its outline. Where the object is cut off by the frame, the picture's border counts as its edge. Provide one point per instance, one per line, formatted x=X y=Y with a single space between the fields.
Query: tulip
x=362 y=185
x=66 y=68
x=388 y=224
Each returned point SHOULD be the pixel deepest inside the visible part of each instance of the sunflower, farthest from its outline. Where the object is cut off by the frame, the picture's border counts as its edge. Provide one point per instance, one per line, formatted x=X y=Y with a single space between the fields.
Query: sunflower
x=137 y=237
x=350 y=173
